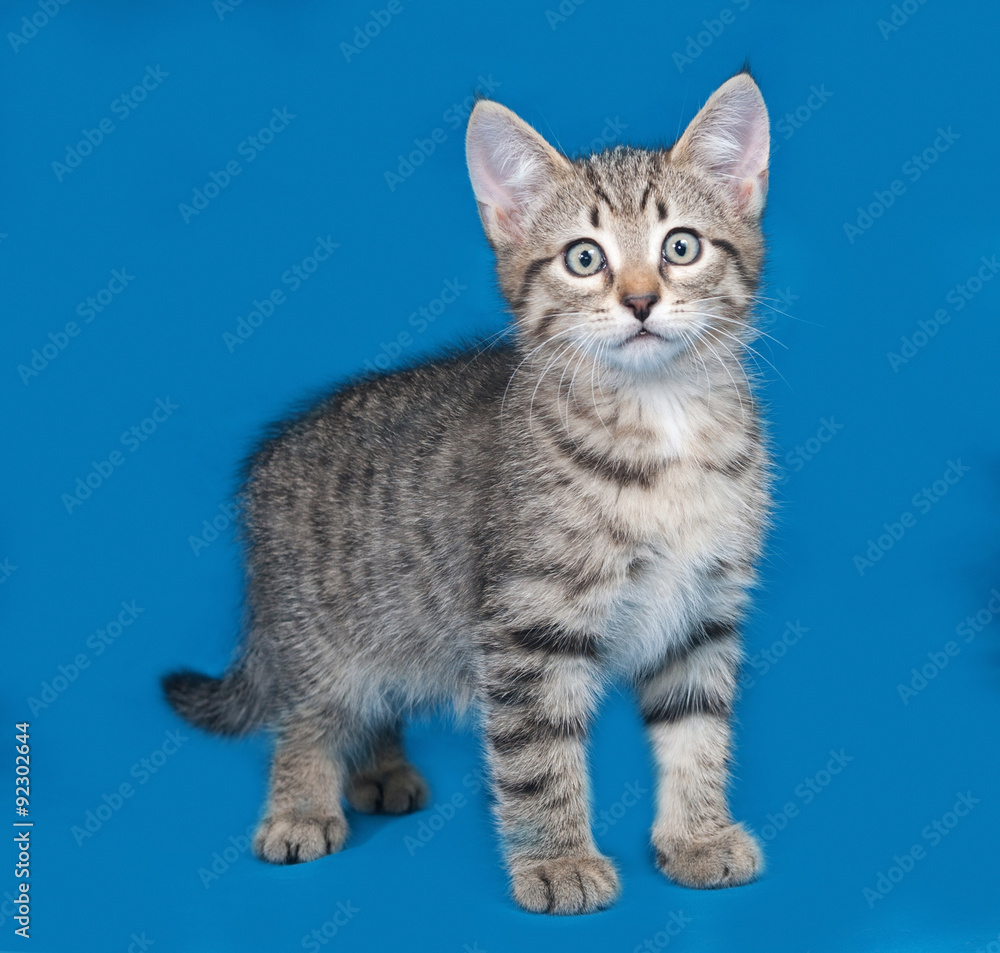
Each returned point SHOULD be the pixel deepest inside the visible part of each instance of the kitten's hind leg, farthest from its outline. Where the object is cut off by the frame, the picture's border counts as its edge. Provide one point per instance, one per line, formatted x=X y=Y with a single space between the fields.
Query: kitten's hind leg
x=386 y=783
x=305 y=818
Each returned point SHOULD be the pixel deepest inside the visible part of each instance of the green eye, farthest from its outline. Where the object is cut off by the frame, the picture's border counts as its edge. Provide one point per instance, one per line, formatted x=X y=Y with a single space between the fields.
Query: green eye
x=681 y=247
x=584 y=258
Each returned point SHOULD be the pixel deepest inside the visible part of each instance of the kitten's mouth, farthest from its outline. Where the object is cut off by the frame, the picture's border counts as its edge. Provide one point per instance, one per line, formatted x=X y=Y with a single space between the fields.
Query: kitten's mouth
x=643 y=336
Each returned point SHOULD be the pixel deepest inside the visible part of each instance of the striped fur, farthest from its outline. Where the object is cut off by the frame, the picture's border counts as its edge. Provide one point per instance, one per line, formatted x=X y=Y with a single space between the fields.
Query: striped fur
x=513 y=529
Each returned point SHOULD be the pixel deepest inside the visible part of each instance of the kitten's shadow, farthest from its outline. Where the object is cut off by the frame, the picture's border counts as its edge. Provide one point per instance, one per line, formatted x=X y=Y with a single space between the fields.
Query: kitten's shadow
x=364 y=827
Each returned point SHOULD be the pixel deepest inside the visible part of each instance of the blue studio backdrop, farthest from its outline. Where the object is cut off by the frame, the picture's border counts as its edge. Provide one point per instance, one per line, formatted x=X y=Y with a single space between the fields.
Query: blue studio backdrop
x=211 y=210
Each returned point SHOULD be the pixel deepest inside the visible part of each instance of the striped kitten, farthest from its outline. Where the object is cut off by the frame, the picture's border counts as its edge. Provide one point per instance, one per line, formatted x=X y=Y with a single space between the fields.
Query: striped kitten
x=513 y=529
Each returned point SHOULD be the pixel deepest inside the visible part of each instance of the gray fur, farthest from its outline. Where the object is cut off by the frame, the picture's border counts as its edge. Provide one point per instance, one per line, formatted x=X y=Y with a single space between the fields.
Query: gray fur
x=511 y=529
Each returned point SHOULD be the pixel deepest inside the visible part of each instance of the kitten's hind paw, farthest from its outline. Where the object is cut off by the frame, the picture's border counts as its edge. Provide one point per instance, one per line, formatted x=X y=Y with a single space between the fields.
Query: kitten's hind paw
x=564 y=884
x=727 y=858
x=293 y=839
x=399 y=789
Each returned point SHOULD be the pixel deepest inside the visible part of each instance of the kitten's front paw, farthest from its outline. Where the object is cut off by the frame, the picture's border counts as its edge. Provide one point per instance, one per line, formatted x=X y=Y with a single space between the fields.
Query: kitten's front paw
x=565 y=884
x=291 y=839
x=396 y=790
x=727 y=858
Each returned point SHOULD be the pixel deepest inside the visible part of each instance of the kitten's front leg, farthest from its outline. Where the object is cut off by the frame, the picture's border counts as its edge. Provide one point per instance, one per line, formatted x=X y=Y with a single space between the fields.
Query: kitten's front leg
x=686 y=705
x=540 y=687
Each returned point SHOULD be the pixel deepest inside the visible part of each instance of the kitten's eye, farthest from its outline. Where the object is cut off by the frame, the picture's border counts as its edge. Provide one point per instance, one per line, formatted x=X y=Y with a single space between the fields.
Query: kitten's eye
x=681 y=247
x=584 y=258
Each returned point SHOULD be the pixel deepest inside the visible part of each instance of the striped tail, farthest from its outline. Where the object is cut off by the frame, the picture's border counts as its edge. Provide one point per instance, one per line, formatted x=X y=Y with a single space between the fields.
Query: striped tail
x=231 y=705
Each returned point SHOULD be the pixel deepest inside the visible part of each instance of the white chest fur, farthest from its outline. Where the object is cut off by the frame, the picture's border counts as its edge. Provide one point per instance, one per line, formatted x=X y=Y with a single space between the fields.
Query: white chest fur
x=692 y=519
x=671 y=586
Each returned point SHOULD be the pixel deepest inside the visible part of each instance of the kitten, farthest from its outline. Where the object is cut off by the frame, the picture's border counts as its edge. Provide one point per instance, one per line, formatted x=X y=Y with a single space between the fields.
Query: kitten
x=513 y=528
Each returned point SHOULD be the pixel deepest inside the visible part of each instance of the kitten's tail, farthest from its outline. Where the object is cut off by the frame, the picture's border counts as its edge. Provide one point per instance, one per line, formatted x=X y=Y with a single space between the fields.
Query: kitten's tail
x=231 y=705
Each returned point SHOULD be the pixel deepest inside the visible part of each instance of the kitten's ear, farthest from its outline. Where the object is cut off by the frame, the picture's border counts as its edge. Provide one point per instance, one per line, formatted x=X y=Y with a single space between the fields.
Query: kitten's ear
x=730 y=140
x=511 y=167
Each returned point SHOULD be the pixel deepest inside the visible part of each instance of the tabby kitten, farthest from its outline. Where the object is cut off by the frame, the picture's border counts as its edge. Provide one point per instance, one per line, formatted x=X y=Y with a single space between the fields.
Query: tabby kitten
x=512 y=529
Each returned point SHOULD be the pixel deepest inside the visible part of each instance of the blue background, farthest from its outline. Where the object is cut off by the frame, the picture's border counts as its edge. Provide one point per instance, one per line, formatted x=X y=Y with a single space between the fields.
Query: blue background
x=843 y=305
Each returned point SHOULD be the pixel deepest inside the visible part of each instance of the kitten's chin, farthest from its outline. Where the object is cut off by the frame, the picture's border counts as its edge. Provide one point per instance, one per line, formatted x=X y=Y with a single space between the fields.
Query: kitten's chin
x=645 y=352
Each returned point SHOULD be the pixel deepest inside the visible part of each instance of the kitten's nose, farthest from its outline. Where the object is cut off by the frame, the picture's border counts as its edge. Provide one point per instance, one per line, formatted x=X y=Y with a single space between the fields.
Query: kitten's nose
x=640 y=305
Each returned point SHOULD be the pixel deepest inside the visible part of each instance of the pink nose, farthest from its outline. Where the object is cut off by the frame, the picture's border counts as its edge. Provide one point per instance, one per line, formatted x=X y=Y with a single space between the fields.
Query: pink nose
x=640 y=305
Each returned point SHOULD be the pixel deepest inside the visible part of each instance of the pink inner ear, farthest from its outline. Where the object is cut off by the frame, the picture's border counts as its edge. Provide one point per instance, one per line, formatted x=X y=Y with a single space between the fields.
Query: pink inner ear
x=510 y=166
x=748 y=194
x=498 y=201
x=485 y=152
x=505 y=221
x=730 y=138
x=504 y=171
x=757 y=148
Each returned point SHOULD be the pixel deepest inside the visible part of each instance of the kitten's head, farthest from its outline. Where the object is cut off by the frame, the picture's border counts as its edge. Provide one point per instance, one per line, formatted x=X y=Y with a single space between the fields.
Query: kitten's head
x=631 y=257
